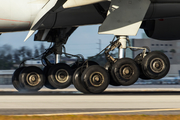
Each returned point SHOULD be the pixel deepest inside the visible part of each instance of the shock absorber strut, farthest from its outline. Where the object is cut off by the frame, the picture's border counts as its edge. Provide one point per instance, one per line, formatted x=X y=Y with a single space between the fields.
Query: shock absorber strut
x=122 y=47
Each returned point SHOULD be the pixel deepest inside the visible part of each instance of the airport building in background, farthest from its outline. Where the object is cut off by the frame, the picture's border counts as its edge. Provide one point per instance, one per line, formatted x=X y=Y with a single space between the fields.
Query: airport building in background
x=170 y=48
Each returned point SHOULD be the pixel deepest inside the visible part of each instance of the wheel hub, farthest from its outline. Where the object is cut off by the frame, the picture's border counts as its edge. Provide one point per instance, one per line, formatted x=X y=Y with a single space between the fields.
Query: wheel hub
x=96 y=79
x=62 y=76
x=126 y=71
x=157 y=65
x=33 y=79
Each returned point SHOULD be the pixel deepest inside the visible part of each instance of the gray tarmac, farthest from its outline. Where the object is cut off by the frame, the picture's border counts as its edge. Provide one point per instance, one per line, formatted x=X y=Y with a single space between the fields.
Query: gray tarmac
x=135 y=99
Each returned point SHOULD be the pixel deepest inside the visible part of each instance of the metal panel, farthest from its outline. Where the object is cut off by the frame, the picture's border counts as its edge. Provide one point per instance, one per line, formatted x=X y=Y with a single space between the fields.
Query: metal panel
x=41 y=16
x=77 y=3
x=125 y=17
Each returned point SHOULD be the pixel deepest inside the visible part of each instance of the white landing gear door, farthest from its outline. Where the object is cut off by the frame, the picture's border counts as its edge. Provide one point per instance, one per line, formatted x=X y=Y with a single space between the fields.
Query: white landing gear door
x=52 y=5
x=124 y=17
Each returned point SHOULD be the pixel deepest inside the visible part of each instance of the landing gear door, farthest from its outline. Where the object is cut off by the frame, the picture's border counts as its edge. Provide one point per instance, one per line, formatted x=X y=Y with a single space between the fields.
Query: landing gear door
x=52 y=5
x=124 y=17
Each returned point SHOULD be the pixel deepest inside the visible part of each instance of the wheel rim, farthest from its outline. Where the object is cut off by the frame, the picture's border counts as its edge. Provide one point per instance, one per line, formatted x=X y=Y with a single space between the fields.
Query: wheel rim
x=96 y=79
x=62 y=76
x=126 y=71
x=33 y=79
x=157 y=65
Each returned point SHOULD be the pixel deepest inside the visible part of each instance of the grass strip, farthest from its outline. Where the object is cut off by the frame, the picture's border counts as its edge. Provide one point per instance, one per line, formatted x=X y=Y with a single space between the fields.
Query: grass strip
x=94 y=117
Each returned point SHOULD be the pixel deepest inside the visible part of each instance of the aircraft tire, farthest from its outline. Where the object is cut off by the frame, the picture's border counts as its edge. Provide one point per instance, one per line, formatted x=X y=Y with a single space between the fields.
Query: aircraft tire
x=126 y=71
x=76 y=65
x=138 y=59
x=77 y=80
x=155 y=65
x=15 y=79
x=113 y=81
x=32 y=78
x=95 y=78
x=47 y=84
x=60 y=75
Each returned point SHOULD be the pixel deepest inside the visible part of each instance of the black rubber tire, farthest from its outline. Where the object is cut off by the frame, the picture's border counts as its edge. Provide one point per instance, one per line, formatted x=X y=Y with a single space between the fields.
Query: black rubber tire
x=96 y=87
x=77 y=80
x=138 y=59
x=120 y=66
x=29 y=72
x=47 y=84
x=150 y=70
x=112 y=80
x=15 y=79
x=76 y=65
x=54 y=72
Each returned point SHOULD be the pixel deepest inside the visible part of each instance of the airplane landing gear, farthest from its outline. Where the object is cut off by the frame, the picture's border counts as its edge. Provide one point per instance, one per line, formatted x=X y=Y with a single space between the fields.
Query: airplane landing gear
x=60 y=75
x=78 y=84
x=146 y=65
x=138 y=59
x=125 y=71
x=113 y=81
x=88 y=76
x=95 y=78
x=15 y=79
x=29 y=79
x=47 y=84
x=155 y=65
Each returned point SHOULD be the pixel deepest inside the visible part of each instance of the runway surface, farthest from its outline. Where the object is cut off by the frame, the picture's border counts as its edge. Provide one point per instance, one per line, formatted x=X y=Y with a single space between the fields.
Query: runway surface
x=137 y=99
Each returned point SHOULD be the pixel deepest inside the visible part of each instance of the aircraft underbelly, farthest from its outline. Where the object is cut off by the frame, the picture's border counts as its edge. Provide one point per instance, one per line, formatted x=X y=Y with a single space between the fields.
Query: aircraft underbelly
x=18 y=15
x=88 y=15
x=78 y=16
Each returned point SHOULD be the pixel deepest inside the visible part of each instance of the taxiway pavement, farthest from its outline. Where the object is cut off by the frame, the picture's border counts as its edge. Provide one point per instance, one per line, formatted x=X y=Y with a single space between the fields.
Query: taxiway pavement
x=131 y=100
